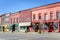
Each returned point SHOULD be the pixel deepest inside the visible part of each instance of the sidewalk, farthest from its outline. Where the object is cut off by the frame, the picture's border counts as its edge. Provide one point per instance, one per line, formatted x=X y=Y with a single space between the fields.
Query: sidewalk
x=31 y=32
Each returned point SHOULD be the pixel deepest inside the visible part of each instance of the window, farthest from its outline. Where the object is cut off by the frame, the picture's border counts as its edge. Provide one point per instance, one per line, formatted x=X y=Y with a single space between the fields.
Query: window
x=11 y=20
x=16 y=20
x=7 y=17
x=6 y=21
x=45 y=17
x=34 y=17
x=51 y=16
x=45 y=27
x=41 y=25
x=39 y=17
x=58 y=15
x=55 y=24
x=22 y=28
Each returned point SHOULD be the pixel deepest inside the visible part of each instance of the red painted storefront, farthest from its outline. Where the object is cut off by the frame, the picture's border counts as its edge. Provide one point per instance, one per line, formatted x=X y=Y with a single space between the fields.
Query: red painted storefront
x=45 y=15
x=46 y=10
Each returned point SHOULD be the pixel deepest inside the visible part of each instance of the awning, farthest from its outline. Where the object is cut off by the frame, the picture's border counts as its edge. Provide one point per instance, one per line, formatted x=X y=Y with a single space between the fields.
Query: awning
x=25 y=24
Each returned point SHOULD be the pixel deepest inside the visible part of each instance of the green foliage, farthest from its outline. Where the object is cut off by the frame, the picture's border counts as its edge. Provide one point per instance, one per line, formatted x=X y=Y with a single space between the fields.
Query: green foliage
x=39 y=31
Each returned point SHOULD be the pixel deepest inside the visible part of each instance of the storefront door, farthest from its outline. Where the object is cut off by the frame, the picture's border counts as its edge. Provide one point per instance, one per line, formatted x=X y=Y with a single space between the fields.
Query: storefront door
x=36 y=27
x=50 y=27
x=13 y=28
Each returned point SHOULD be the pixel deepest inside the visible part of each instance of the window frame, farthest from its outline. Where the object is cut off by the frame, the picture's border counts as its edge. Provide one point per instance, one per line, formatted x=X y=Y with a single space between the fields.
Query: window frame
x=34 y=16
x=51 y=16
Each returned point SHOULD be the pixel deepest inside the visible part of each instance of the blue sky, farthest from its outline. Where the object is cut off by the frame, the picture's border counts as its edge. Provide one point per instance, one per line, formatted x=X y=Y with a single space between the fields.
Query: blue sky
x=7 y=6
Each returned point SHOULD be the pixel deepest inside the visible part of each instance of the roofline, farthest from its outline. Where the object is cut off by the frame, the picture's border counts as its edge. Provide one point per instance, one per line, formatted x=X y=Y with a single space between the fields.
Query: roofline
x=34 y=8
x=47 y=4
x=42 y=6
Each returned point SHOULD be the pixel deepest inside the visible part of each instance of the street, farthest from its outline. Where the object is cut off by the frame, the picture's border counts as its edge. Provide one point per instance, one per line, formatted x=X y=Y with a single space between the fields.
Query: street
x=29 y=36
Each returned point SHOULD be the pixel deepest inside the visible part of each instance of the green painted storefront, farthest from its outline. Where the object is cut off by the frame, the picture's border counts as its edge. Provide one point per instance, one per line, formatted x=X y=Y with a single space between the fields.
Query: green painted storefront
x=16 y=26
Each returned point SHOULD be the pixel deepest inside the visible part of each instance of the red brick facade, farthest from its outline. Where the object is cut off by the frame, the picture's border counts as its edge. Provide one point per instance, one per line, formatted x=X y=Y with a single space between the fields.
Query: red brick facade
x=47 y=15
x=25 y=16
x=47 y=9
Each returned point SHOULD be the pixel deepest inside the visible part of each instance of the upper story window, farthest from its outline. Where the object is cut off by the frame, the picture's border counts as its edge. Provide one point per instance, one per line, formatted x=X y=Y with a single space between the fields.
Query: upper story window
x=39 y=16
x=58 y=15
x=11 y=20
x=34 y=17
x=45 y=17
x=16 y=20
x=51 y=16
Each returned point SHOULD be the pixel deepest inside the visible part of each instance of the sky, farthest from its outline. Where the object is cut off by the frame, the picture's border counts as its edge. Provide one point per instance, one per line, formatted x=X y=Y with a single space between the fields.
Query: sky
x=7 y=6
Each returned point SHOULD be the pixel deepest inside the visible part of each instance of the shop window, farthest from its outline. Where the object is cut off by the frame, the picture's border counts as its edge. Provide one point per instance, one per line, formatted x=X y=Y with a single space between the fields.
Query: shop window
x=22 y=28
x=0 y=28
x=58 y=15
x=41 y=25
x=51 y=16
x=45 y=17
x=55 y=25
x=45 y=27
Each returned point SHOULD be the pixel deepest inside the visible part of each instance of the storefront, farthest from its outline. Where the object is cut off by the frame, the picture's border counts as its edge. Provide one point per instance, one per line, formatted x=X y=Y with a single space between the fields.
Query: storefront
x=14 y=27
x=25 y=26
x=1 y=28
x=52 y=25
x=5 y=28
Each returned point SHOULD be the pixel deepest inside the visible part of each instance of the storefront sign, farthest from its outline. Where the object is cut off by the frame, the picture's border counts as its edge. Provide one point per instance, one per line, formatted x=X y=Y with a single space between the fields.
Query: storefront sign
x=25 y=24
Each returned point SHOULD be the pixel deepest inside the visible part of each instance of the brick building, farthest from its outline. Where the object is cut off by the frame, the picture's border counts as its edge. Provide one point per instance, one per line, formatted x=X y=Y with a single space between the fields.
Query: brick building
x=25 y=20
x=45 y=18
x=22 y=18
x=14 y=21
x=4 y=22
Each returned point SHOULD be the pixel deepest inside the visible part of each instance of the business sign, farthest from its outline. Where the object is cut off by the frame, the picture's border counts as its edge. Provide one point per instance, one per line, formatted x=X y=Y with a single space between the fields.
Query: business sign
x=25 y=24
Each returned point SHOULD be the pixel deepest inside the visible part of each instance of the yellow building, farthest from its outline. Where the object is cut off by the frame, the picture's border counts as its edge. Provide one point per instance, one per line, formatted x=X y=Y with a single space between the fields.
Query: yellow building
x=5 y=28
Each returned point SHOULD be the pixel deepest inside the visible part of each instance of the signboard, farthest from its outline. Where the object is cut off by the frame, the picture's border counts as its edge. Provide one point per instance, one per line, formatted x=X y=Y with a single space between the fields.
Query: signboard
x=25 y=24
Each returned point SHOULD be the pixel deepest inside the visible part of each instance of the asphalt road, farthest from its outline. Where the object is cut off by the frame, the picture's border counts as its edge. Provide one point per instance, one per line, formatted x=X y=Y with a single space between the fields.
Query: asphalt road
x=29 y=36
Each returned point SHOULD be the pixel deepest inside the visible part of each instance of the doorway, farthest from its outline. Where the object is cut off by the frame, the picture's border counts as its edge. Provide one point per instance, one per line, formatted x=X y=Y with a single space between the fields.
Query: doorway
x=50 y=27
x=3 y=28
x=13 y=28
x=36 y=27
